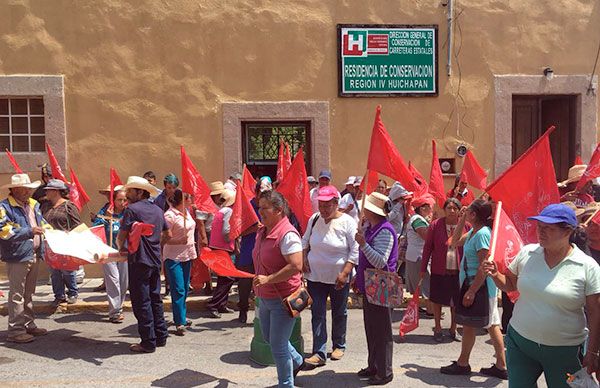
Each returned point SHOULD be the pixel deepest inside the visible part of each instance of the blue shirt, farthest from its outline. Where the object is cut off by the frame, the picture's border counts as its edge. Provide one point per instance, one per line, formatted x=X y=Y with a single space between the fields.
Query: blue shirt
x=247 y=243
x=106 y=223
x=475 y=243
x=149 y=251
x=161 y=201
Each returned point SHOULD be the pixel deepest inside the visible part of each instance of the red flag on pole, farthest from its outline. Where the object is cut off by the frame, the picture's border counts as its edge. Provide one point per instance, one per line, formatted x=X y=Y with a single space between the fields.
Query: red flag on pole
x=294 y=188
x=420 y=182
x=410 y=320
x=56 y=170
x=115 y=181
x=592 y=171
x=505 y=243
x=473 y=173
x=14 y=163
x=372 y=182
x=243 y=215
x=528 y=186
x=77 y=194
x=436 y=180
x=578 y=160
x=287 y=159
x=384 y=156
x=220 y=262
x=192 y=183
x=248 y=183
x=280 y=162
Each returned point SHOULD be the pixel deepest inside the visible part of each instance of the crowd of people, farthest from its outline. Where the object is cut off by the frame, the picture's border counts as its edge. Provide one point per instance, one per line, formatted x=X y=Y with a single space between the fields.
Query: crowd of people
x=440 y=252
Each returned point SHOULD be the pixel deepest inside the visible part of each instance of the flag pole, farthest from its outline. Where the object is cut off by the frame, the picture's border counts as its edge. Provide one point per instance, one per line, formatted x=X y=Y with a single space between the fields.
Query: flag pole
x=492 y=250
x=586 y=223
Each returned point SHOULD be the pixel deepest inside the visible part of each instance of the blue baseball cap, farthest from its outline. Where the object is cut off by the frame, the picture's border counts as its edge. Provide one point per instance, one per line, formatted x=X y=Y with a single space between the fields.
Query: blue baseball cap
x=557 y=213
x=325 y=174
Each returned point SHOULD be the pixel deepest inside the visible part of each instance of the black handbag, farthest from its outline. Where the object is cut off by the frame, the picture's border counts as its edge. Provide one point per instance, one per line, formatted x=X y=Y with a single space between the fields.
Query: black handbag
x=477 y=314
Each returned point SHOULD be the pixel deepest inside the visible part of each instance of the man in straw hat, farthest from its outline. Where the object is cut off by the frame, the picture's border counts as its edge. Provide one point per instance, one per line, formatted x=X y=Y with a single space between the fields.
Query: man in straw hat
x=567 y=188
x=21 y=229
x=144 y=265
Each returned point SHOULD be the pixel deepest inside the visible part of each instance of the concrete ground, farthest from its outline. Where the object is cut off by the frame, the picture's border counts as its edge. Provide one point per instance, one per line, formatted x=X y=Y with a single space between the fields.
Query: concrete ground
x=84 y=350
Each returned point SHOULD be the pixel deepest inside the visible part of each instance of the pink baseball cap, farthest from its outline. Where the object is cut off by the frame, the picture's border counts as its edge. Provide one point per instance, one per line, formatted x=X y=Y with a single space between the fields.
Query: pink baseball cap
x=327 y=193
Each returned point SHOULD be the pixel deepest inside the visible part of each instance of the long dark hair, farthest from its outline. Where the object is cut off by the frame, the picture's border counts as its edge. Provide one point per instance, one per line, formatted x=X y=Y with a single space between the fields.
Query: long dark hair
x=177 y=198
x=483 y=211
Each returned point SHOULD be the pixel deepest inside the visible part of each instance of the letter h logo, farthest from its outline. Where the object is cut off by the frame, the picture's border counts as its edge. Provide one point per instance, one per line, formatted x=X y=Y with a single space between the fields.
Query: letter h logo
x=354 y=43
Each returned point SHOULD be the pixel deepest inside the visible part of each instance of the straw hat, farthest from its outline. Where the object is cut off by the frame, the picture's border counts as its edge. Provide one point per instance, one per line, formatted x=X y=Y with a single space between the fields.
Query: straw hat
x=137 y=182
x=575 y=174
x=107 y=189
x=375 y=202
x=590 y=209
x=578 y=211
x=217 y=188
x=228 y=197
x=21 y=180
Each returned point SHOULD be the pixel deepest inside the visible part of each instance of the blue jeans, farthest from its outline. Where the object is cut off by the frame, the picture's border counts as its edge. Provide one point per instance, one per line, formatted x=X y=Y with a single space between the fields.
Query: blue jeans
x=339 y=316
x=277 y=326
x=60 y=279
x=179 y=281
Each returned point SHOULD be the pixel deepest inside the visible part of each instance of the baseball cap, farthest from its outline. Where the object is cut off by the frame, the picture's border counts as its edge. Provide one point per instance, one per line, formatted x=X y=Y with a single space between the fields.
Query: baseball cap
x=556 y=213
x=357 y=181
x=311 y=179
x=325 y=174
x=327 y=193
x=351 y=180
x=55 y=184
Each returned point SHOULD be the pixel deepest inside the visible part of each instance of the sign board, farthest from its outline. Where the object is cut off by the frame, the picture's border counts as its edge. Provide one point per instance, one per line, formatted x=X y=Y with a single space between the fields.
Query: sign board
x=387 y=60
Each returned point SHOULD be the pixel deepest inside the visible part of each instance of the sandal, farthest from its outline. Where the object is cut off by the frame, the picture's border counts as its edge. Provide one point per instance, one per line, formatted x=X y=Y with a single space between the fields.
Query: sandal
x=117 y=318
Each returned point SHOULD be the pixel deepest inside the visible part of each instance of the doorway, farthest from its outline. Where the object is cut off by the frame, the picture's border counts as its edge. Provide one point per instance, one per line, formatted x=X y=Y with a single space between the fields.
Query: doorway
x=533 y=114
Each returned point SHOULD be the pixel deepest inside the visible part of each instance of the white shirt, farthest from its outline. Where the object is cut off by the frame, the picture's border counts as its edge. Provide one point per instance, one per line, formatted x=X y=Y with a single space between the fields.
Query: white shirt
x=549 y=310
x=290 y=243
x=331 y=246
x=415 y=243
x=345 y=202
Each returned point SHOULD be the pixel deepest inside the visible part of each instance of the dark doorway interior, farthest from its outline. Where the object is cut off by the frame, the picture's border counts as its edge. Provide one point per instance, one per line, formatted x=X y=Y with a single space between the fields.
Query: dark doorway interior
x=260 y=144
x=532 y=115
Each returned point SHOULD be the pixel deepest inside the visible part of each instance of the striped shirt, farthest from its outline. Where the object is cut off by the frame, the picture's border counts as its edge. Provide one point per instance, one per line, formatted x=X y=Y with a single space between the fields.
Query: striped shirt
x=379 y=252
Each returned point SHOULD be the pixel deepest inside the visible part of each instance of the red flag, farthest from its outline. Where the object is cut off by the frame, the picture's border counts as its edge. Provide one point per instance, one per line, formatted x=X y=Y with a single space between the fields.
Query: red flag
x=372 y=182
x=77 y=194
x=243 y=215
x=220 y=262
x=436 y=180
x=12 y=160
x=592 y=171
x=505 y=243
x=528 y=186
x=420 y=182
x=248 y=183
x=287 y=158
x=280 y=162
x=100 y=232
x=192 y=183
x=138 y=229
x=578 y=161
x=56 y=170
x=473 y=173
x=384 y=156
x=114 y=182
x=294 y=188
x=410 y=320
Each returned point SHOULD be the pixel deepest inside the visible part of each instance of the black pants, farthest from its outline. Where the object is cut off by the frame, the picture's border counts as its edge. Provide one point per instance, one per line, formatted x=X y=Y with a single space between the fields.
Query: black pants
x=507 y=311
x=378 y=328
x=221 y=293
x=244 y=287
x=146 y=302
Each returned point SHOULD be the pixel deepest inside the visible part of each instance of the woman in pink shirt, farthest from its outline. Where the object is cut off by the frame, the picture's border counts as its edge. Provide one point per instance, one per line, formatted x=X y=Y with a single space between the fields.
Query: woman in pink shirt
x=178 y=253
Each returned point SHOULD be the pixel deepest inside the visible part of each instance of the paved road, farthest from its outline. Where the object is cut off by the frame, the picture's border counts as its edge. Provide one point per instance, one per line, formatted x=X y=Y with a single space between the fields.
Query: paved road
x=84 y=350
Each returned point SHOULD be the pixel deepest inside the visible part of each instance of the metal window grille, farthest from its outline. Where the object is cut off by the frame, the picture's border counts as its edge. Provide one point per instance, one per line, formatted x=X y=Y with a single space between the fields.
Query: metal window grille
x=262 y=139
x=22 y=125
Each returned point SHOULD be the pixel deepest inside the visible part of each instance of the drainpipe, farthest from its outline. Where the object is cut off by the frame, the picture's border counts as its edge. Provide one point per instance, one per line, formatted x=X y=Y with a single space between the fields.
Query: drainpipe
x=450 y=15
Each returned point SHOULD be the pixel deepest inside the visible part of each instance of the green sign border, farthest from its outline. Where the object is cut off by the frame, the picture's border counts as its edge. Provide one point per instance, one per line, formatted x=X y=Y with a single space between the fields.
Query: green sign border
x=388 y=94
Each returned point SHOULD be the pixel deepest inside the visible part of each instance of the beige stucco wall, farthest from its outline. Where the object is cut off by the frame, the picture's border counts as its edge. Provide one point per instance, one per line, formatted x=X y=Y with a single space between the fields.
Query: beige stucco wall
x=141 y=78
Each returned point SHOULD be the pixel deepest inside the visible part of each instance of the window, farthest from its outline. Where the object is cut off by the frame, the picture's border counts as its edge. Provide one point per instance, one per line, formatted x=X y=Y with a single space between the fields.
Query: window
x=261 y=143
x=22 y=125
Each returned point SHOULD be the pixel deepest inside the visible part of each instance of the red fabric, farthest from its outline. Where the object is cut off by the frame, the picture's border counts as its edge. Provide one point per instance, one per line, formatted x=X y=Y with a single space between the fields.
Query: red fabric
x=505 y=243
x=99 y=232
x=436 y=247
x=62 y=262
x=56 y=170
x=595 y=219
x=295 y=190
x=287 y=158
x=528 y=186
x=248 y=183
x=385 y=158
x=592 y=171
x=436 y=180
x=77 y=194
x=473 y=173
x=243 y=215
x=138 y=229
x=14 y=163
x=410 y=320
x=420 y=182
x=192 y=183
x=199 y=275
x=578 y=161
x=220 y=262
x=372 y=180
x=280 y=163
x=115 y=180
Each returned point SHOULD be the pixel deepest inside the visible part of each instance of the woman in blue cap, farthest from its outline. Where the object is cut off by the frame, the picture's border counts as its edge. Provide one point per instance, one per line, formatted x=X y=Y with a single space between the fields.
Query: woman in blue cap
x=555 y=280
